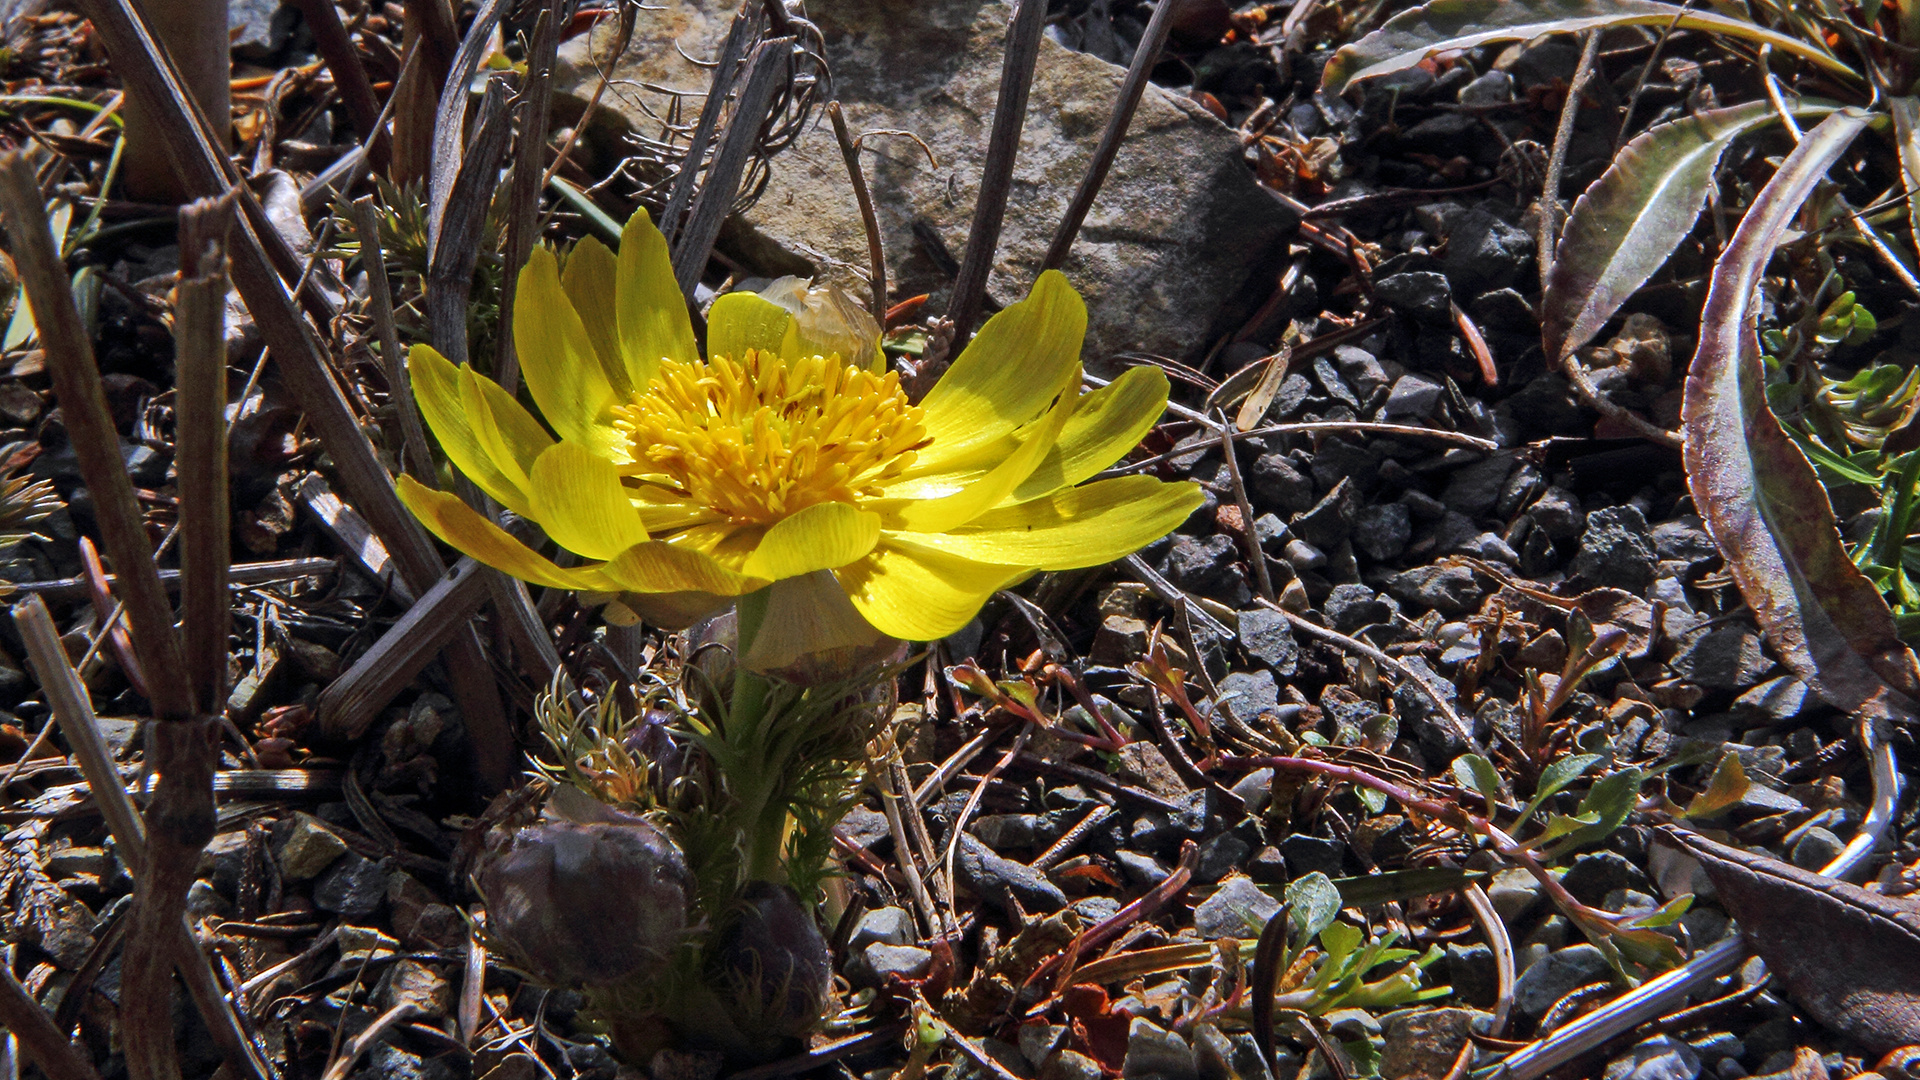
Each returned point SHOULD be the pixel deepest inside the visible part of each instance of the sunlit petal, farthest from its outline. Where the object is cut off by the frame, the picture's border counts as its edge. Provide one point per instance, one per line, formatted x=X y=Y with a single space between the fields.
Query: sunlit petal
x=919 y=594
x=740 y=321
x=820 y=537
x=589 y=283
x=939 y=515
x=652 y=312
x=456 y=523
x=1083 y=526
x=1105 y=425
x=1010 y=372
x=436 y=389
x=659 y=567
x=562 y=369
x=578 y=499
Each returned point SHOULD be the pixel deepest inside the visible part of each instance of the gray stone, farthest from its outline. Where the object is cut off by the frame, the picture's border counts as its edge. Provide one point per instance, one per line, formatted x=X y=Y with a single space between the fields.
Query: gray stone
x=1254 y=790
x=1238 y=909
x=1423 y=1043
x=1383 y=530
x=1592 y=876
x=1493 y=88
x=1450 y=590
x=1684 y=540
x=884 y=925
x=1421 y=293
x=389 y=1062
x=1303 y=556
x=1616 y=550
x=1038 y=1041
x=1179 y=226
x=1555 y=976
x=1330 y=522
x=1557 y=512
x=1485 y=253
x=1270 y=532
x=1154 y=1053
x=880 y=963
x=1548 y=406
x=1276 y=482
x=1816 y=848
x=1475 y=489
x=1140 y=868
x=1306 y=854
x=353 y=887
x=1247 y=694
x=1004 y=831
x=1727 y=657
x=1777 y=700
x=1473 y=973
x=1207 y=566
x=1662 y=1057
x=1003 y=882
x=1220 y=856
x=1429 y=725
x=1268 y=638
x=259 y=28
x=1335 y=386
x=1071 y=1065
x=1361 y=369
x=1514 y=892
x=1351 y=607
x=1413 y=397
x=309 y=848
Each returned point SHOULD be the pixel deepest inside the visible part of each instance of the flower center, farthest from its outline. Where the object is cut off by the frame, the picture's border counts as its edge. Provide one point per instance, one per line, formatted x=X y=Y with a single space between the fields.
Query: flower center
x=760 y=439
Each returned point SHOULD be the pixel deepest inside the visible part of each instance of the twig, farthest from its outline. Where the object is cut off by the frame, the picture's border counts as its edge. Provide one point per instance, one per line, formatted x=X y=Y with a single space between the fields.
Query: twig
x=1352 y=644
x=523 y=201
x=45 y=1044
x=1145 y=56
x=450 y=124
x=200 y=356
x=414 y=457
x=458 y=224
x=341 y=1066
x=1262 y=579
x=996 y=173
x=765 y=71
x=876 y=254
x=741 y=33
x=1657 y=996
x=1494 y=929
x=959 y=825
x=76 y=382
x=346 y=707
x=890 y=800
x=349 y=75
x=1548 y=226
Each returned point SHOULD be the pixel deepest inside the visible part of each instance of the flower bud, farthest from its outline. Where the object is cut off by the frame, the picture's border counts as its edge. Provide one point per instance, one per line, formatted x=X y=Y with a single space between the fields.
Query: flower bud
x=771 y=962
x=587 y=903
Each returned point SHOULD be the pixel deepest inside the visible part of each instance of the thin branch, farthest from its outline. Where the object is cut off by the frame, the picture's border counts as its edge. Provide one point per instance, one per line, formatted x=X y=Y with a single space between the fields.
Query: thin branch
x=1548 y=226
x=996 y=174
x=1145 y=56
x=876 y=254
x=200 y=356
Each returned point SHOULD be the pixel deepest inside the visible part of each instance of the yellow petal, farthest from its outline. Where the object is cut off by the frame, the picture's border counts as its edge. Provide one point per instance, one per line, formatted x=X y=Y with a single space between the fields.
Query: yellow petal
x=521 y=436
x=939 y=515
x=589 y=282
x=812 y=629
x=821 y=537
x=918 y=594
x=456 y=523
x=1012 y=369
x=558 y=359
x=659 y=567
x=578 y=499
x=740 y=321
x=675 y=610
x=1084 y=526
x=1105 y=425
x=653 y=312
x=436 y=389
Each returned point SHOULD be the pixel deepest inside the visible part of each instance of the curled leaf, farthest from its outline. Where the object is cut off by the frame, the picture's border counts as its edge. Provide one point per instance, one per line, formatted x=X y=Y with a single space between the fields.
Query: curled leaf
x=1755 y=491
x=1445 y=25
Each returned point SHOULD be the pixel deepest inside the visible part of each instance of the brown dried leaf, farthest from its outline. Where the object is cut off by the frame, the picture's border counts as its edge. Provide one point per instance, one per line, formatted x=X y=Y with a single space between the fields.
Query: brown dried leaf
x=1846 y=955
x=1757 y=494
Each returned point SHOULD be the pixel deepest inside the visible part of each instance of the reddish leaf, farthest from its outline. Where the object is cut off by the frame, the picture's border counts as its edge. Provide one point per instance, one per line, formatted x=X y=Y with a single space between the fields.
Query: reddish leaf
x=1846 y=955
x=1757 y=494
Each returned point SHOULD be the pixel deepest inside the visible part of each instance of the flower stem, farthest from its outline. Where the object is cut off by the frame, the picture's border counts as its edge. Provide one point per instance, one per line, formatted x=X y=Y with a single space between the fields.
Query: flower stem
x=758 y=791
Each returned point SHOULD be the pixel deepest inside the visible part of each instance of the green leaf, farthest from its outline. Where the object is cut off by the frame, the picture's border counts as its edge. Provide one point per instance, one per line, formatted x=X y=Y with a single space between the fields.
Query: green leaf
x=1608 y=802
x=1339 y=940
x=1559 y=825
x=1451 y=25
x=1376 y=889
x=1666 y=914
x=1556 y=776
x=1314 y=904
x=1476 y=773
x=1761 y=501
x=1726 y=789
x=1629 y=220
x=1374 y=801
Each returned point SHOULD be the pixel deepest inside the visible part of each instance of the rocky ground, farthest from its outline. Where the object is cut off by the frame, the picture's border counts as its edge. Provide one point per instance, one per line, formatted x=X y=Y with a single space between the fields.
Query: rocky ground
x=1425 y=547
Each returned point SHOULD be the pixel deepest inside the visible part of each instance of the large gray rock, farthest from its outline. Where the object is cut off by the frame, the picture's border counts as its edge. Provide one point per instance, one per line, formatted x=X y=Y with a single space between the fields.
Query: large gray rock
x=1179 y=227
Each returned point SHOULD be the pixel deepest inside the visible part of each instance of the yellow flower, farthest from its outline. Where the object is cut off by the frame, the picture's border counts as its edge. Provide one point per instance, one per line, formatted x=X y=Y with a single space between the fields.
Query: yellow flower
x=684 y=482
